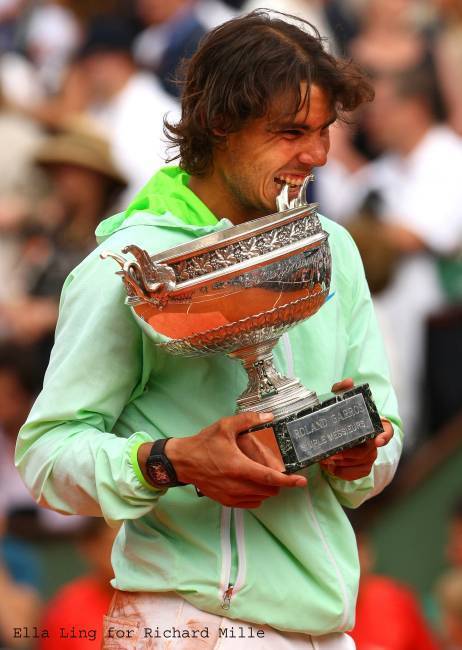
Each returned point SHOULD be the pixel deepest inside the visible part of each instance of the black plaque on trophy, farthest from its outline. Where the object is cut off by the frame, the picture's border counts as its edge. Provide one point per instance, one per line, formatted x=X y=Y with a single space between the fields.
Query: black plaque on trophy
x=341 y=421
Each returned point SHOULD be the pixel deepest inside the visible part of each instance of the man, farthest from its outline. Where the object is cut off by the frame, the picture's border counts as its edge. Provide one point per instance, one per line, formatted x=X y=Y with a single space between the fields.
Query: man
x=128 y=103
x=84 y=183
x=388 y=613
x=273 y=553
x=172 y=31
x=80 y=604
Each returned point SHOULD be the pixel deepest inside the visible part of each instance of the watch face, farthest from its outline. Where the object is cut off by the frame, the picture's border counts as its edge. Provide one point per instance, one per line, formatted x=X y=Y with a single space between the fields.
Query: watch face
x=158 y=473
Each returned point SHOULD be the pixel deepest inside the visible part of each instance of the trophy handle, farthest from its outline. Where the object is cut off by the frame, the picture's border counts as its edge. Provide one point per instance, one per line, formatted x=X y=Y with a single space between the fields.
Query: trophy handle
x=145 y=281
x=282 y=200
x=302 y=198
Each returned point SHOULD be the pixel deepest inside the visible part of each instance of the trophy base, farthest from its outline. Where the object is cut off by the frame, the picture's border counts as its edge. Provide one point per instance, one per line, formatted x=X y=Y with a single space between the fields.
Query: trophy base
x=309 y=435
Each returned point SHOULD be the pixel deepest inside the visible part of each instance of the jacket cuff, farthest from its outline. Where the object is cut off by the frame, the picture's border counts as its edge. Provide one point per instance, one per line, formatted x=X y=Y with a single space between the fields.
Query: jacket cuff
x=137 y=469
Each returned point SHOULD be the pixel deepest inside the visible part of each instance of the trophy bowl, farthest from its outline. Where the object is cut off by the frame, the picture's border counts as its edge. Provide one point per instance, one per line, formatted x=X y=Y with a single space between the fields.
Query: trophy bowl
x=236 y=291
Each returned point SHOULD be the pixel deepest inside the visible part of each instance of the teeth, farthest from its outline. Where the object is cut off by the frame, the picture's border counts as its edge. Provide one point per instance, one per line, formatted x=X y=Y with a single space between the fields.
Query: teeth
x=290 y=180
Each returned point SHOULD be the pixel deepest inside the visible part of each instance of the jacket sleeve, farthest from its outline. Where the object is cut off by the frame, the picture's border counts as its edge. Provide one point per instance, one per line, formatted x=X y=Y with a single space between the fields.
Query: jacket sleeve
x=66 y=453
x=366 y=362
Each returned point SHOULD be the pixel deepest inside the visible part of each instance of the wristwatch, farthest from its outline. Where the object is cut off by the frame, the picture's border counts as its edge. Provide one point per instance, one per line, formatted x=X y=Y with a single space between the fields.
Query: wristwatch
x=158 y=467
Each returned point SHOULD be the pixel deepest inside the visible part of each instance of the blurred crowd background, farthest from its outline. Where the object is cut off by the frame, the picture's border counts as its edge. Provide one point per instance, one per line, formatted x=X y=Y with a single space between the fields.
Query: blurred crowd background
x=84 y=87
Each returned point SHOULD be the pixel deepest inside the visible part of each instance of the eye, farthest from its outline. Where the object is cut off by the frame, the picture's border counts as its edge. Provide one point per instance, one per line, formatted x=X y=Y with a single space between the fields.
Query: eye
x=292 y=133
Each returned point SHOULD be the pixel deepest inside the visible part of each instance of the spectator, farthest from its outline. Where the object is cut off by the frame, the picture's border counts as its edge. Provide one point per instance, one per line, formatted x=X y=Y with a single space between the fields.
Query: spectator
x=46 y=36
x=448 y=590
x=454 y=543
x=173 y=31
x=388 y=615
x=448 y=55
x=417 y=180
x=390 y=38
x=21 y=186
x=19 y=384
x=449 y=594
x=19 y=602
x=21 y=374
x=10 y=12
x=85 y=183
x=106 y=84
x=78 y=607
x=51 y=36
x=129 y=104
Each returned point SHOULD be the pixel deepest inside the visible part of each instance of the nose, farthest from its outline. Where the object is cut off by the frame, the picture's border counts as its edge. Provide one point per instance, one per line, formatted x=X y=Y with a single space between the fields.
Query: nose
x=314 y=151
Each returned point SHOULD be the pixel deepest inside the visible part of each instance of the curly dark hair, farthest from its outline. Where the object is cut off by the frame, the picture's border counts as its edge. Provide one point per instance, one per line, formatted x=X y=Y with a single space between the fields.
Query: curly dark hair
x=238 y=71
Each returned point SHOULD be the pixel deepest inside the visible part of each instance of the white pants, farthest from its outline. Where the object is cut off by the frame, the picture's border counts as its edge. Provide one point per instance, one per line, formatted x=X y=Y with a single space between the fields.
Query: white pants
x=150 y=621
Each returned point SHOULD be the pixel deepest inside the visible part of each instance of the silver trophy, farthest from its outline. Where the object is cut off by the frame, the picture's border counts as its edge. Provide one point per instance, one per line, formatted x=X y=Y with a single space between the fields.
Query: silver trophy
x=237 y=291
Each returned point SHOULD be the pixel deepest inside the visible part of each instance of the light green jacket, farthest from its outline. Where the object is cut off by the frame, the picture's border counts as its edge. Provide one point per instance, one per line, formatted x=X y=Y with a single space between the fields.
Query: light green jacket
x=293 y=561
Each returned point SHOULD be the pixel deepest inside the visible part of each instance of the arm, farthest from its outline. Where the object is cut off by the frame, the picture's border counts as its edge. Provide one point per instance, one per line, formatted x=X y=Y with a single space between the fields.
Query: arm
x=235 y=473
x=19 y=607
x=66 y=452
x=360 y=473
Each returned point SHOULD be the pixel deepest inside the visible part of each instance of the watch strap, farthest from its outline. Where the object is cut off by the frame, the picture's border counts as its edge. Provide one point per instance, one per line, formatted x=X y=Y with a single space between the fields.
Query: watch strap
x=138 y=471
x=158 y=452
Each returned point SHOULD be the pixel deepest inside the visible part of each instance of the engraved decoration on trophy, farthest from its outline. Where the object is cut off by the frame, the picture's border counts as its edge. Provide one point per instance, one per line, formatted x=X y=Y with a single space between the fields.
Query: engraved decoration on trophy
x=236 y=291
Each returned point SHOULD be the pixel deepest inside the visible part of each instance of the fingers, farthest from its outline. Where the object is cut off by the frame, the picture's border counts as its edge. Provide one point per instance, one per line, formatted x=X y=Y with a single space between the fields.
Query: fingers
x=260 y=452
x=384 y=438
x=348 y=473
x=357 y=462
x=250 y=491
x=241 y=422
x=262 y=475
x=345 y=384
x=366 y=452
x=245 y=495
x=353 y=463
x=247 y=469
x=213 y=461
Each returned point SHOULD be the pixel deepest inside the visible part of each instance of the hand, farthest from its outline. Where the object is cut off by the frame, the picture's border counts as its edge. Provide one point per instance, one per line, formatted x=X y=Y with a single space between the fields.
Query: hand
x=356 y=462
x=261 y=446
x=27 y=319
x=213 y=461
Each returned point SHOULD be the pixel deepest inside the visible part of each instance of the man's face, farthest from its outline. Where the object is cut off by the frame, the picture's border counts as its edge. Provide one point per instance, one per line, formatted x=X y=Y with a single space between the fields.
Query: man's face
x=155 y=12
x=253 y=164
x=389 y=117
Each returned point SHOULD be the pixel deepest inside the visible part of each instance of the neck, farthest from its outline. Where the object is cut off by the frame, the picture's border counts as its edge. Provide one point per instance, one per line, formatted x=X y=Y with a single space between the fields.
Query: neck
x=119 y=79
x=83 y=216
x=411 y=138
x=213 y=193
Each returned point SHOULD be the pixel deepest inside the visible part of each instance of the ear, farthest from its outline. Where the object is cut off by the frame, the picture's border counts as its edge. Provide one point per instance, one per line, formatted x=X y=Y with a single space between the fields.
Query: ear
x=220 y=133
x=221 y=138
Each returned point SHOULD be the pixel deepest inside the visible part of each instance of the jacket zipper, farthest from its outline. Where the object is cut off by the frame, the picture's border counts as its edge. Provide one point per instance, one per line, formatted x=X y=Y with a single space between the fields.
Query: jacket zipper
x=228 y=589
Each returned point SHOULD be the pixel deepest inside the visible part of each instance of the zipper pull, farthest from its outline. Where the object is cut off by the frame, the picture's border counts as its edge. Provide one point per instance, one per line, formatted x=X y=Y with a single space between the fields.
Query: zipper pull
x=226 y=603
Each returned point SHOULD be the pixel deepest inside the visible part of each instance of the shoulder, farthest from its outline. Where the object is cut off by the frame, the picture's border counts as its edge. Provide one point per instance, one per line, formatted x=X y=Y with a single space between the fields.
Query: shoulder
x=440 y=145
x=333 y=228
x=341 y=243
x=348 y=277
x=153 y=233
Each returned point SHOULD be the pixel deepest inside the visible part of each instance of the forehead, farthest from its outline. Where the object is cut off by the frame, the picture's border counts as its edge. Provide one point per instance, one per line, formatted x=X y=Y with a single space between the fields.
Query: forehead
x=314 y=105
